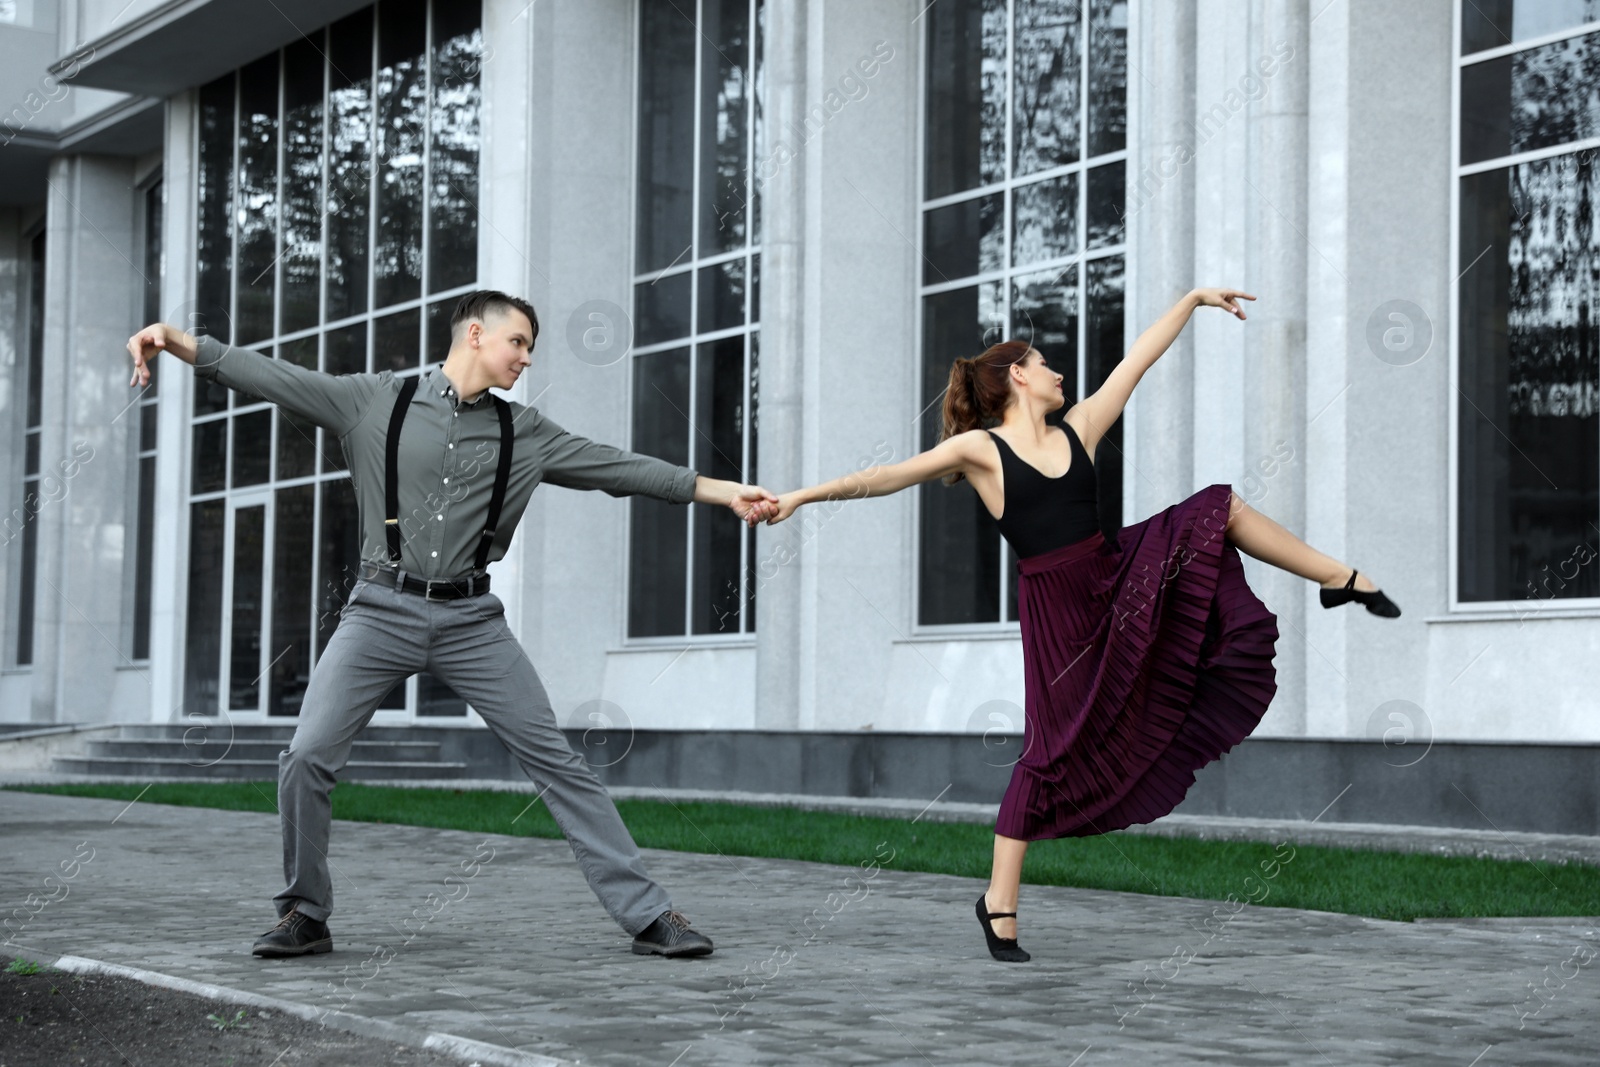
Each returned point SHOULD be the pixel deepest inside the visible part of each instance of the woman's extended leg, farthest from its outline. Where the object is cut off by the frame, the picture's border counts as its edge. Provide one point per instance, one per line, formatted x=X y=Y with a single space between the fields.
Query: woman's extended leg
x=1258 y=536
x=1005 y=879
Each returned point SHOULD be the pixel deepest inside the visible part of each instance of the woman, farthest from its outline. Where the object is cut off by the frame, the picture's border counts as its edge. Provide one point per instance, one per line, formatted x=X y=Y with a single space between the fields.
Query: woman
x=1145 y=658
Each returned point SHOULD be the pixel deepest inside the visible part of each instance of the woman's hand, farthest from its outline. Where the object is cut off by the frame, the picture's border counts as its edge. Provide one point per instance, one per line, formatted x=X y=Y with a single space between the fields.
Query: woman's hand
x=787 y=503
x=1226 y=299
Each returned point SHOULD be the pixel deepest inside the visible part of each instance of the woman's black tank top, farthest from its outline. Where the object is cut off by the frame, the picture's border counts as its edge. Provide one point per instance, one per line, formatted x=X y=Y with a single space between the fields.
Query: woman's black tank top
x=1043 y=513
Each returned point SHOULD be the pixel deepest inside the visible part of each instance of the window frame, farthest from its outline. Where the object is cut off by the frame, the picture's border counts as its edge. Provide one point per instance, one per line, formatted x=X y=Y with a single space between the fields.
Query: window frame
x=1081 y=259
x=1456 y=608
x=692 y=264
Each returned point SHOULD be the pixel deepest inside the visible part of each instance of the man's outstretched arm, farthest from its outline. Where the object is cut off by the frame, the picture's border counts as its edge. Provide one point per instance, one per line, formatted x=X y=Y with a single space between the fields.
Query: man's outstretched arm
x=575 y=462
x=334 y=402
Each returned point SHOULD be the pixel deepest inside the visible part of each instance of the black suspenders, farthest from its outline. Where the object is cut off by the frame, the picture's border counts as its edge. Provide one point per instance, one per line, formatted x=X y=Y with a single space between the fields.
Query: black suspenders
x=391 y=475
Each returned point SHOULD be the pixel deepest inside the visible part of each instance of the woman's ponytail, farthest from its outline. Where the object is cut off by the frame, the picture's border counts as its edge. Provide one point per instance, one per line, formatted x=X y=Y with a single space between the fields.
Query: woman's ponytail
x=978 y=391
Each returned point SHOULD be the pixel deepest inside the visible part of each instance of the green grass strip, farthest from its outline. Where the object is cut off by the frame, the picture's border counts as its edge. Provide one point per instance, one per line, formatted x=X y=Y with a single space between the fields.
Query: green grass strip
x=1383 y=885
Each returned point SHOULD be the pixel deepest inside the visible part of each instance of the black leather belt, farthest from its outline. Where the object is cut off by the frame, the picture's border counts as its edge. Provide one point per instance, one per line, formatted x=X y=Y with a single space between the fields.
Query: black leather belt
x=428 y=588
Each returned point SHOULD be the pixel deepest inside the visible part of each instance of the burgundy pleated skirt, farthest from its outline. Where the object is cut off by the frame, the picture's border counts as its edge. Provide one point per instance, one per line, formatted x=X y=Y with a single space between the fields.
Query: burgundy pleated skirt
x=1145 y=660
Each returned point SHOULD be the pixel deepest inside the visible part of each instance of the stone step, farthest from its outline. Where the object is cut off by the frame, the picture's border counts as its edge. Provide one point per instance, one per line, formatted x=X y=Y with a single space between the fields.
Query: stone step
x=198 y=749
x=246 y=769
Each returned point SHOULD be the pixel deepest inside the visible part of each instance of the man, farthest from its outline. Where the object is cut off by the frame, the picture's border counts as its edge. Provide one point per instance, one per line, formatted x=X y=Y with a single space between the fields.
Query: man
x=460 y=465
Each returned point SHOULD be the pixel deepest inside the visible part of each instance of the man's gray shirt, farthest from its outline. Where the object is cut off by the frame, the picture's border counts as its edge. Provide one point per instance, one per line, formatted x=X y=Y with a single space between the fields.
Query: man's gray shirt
x=448 y=453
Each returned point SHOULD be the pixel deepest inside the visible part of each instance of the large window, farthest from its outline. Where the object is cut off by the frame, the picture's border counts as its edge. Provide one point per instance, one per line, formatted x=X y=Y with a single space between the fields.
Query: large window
x=23 y=521
x=337 y=228
x=1022 y=237
x=1528 y=429
x=696 y=307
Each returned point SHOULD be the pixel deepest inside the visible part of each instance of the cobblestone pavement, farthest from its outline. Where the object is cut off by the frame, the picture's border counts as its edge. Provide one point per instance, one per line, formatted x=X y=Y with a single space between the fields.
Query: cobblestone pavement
x=498 y=939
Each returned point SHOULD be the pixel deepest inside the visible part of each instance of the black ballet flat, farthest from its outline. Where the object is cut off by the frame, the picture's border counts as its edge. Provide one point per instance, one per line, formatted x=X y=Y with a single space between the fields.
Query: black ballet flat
x=1374 y=601
x=1003 y=949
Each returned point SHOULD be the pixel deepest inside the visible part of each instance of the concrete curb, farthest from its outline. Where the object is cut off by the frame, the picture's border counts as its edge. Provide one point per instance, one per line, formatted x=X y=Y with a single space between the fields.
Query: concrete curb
x=466 y=1049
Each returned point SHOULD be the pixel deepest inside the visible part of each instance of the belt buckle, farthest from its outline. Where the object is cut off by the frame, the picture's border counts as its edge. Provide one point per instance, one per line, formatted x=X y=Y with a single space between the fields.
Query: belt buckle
x=427 y=592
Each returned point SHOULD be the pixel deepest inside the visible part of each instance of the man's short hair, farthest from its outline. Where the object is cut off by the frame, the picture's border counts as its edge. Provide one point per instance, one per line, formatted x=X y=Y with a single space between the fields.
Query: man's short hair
x=480 y=304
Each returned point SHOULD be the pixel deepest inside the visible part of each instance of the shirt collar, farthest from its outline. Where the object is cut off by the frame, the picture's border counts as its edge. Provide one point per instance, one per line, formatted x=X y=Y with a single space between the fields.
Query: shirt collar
x=439 y=384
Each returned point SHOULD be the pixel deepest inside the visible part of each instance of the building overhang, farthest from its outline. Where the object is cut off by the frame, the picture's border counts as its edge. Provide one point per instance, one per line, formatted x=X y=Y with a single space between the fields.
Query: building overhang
x=131 y=127
x=185 y=43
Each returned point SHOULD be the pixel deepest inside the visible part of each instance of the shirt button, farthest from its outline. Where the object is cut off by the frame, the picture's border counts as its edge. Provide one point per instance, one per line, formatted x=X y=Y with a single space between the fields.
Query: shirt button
x=452 y=445
x=447 y=481
x=439 y=518
x=436 y=554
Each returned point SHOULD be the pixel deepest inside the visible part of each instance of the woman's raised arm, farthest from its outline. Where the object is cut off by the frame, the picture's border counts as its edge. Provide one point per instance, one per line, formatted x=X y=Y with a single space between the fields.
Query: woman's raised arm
x=1104 y=406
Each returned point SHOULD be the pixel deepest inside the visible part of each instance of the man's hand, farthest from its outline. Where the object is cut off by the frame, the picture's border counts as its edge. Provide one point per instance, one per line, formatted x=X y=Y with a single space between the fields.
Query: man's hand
x=753 y=504
x=158 y=337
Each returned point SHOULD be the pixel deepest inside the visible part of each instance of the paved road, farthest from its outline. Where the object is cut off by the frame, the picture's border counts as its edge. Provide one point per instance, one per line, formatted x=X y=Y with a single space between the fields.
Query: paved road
x=498 y=939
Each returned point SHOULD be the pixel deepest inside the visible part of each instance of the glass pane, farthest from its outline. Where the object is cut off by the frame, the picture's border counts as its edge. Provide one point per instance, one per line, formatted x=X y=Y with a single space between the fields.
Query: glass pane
x=721 y=296
x=402 y=108
x=1529 y=431
x=302 y=352
x=244 y=655
x=331 y=452
x=152 y=258
x=1044 y=220
x=725 y=67
x=1108 y=76
x=1044 y=312
x=1106 y=226
x=439 y=313
x=958 y=570
x=258 y=198
x=214 y=247
x=666 y=134
x=143 y=557
x=30 y=454
x=202 y=650
x=718 y=453
x=435 y=699
x=760 y=132
x=302 y=184
x=338 y=556
x=346 y=351
x=29 y=576
x=208 y=457
x=755 y=288
x=349 y=163
x=297 y=446
x=36 y=283
x=147 y=432
x=661 y=309
x=252 y=448
x=959 y=240
x=966 y=102
x=1492 y=23
x=1530 y=100
x=658 y=537
x=453 y=162
x=1008 y=563
x=396 y=340
x=290 y=651
x=1047 y=76
x=1103 y=339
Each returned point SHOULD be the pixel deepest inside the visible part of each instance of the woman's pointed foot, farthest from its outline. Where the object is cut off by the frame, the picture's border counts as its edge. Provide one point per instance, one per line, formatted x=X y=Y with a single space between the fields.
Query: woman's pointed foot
x=1004 y=949
x=1371 y=597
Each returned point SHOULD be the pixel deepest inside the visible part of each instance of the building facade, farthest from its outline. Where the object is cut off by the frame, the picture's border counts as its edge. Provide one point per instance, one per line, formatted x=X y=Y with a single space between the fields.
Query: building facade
x=757 y=232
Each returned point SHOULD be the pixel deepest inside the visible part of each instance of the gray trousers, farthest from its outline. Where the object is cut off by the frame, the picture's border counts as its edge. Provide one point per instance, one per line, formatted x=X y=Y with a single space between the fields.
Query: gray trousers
x=385 y=635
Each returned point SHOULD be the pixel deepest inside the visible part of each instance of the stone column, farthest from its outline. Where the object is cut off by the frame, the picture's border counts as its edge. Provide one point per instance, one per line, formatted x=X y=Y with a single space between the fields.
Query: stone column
x=780 y=619
x=1161 y=90
x=92 y=294
x=1274 y=205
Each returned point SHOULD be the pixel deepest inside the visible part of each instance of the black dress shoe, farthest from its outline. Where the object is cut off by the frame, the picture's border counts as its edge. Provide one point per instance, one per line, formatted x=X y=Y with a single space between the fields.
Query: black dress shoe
x=295 y=935
x=671 y=935
x=1004 y=949
x=1373 y=601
